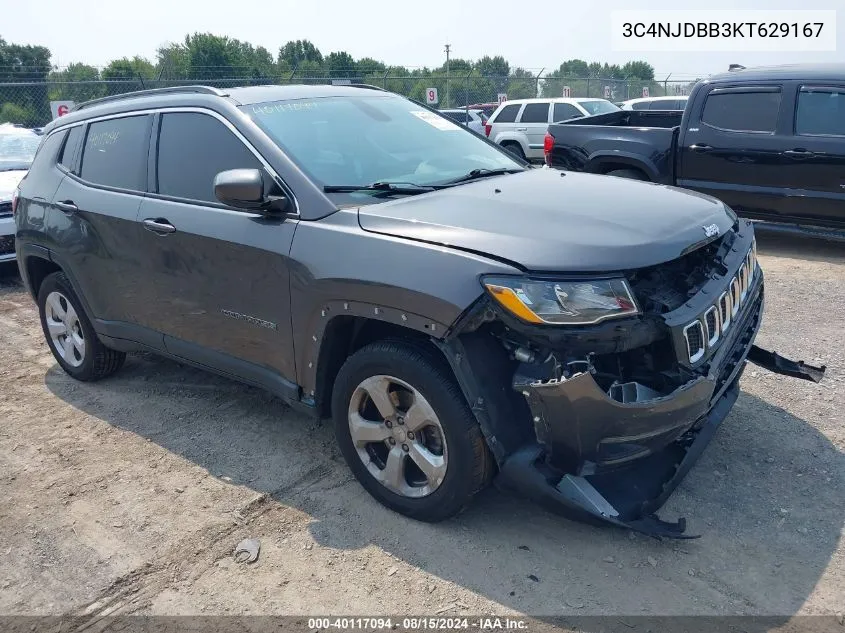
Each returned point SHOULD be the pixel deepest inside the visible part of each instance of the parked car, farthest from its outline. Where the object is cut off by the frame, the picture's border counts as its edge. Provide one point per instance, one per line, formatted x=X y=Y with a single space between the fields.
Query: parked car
x=486 y=108
x=473 y=119
x=455 y=312
x=656 y=103
x=17 y=149
x=769 y=142
x=520 y=125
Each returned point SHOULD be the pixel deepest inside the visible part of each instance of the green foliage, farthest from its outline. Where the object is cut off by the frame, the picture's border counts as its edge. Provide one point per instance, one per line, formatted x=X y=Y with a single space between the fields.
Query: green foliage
x=296 y=52
x=13 y=113
x=340 y=64
x=78 y=82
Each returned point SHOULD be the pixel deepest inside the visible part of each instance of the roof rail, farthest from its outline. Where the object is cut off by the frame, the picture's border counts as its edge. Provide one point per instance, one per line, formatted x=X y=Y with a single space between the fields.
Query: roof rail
x=209 y=90
x=735 y=67
x=368 y=87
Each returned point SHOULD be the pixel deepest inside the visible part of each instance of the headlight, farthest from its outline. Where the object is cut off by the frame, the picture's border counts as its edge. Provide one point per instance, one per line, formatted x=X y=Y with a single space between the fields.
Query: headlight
x=562 y=302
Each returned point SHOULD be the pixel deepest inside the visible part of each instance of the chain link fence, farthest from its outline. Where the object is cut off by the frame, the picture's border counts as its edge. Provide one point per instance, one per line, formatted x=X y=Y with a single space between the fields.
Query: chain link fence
x=28 y=102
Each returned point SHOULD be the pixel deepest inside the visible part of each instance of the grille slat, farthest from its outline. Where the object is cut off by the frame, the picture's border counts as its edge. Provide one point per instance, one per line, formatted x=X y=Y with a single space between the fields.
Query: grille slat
x=705 y=332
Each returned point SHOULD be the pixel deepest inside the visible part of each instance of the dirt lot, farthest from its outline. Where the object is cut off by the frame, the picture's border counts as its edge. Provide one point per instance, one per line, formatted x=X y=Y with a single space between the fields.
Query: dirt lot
x=129 y=495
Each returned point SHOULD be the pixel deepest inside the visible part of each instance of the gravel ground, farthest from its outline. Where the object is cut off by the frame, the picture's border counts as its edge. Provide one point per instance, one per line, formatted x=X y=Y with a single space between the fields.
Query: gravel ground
x=129 y=496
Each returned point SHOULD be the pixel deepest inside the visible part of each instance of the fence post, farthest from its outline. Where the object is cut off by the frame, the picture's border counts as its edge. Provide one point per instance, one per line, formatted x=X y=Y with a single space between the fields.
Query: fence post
x=384 y=79
x=293 y=72
x=588 y=87
x=537 y=82
x=466 y=92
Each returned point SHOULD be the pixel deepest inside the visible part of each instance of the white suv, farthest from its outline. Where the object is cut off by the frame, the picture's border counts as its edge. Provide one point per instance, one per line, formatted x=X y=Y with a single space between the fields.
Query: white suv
x=521 y=124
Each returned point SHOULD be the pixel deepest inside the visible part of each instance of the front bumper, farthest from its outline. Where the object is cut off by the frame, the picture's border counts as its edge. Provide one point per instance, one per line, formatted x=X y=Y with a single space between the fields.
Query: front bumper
x=596 y=458
x=7 y=238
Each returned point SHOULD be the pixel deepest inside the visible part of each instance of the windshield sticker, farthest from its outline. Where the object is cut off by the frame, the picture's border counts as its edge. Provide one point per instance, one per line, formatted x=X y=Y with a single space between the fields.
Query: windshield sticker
x=432 y=119
x=289 y=106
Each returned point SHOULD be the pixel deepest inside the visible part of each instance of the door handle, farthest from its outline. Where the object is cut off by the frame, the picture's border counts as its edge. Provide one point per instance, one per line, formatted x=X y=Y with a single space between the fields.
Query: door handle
x=159 y=225
x=700 y=147
x=522 y=129
x=67 y=206
x=798 y=154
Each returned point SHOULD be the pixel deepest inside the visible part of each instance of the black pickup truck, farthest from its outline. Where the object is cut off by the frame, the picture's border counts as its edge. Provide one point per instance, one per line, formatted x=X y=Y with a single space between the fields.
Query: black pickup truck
x=769 y=142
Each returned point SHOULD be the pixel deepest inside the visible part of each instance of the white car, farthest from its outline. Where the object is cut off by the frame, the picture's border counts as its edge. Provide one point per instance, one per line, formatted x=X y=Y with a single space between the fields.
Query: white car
x=520 y=125
x=17 y=149
x=656 y=103
x=473 y=119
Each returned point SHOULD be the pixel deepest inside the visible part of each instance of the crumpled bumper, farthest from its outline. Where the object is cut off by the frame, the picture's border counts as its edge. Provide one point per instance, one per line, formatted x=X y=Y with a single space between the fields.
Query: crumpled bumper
x=599 y=459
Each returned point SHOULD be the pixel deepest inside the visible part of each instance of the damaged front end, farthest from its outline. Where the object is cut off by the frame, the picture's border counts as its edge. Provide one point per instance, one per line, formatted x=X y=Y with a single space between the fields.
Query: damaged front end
x=602 y=421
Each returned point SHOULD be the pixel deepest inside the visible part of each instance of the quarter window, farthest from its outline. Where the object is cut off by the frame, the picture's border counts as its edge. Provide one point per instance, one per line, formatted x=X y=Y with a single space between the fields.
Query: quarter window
x=821 y=112
x=535 y=113
x=192 y=149
x=752 y=111
x=74 y=138
x=115 y=153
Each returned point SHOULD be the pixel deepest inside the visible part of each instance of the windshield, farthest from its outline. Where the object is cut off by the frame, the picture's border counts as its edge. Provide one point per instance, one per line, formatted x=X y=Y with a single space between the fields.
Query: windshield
x=17 y=149
x=598 y=106
x=379 y=138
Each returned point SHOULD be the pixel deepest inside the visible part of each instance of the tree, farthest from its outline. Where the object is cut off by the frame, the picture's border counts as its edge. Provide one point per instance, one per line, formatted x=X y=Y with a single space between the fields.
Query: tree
x=30 y=64
x=126 y=74
x=638 y=70
x=77 y=82
x=493 y=66
x=368 y=65
x=522 y=84
x=172 y=62
x=298 y=51
x=340 y=64
x=574 y=68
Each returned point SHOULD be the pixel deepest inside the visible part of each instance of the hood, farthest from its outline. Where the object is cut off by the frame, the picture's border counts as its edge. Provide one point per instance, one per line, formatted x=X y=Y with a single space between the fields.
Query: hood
x=8 y=181
x=549 y=220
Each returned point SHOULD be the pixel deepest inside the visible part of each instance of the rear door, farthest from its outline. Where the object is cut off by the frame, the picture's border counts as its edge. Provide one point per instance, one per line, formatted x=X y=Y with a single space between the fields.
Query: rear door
x=733 y=149
x=504 y=121
x=534 y=123
x=93 y=225
x=814 y=169
x=216 y=278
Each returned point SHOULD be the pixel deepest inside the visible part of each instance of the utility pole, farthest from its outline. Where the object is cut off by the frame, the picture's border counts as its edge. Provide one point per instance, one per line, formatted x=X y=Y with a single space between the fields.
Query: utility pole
x=448 y=49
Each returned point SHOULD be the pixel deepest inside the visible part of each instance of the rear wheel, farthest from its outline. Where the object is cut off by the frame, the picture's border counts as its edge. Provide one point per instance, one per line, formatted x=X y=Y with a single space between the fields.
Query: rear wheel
x=70 y=335
x=406 y=432
x=631 y=174
x=515 y=149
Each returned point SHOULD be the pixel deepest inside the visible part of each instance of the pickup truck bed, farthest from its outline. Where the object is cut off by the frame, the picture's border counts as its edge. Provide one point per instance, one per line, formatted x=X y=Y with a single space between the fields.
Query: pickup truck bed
x=770 y=143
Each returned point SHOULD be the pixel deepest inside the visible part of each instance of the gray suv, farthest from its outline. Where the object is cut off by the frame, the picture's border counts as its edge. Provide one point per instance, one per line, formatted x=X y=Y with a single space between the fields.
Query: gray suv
x=459 y=315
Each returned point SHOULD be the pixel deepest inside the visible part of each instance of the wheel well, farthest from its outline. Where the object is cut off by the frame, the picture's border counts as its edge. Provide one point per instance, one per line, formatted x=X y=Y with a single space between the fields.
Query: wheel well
x=37 y=270
x=345 y=335
x=605 y=168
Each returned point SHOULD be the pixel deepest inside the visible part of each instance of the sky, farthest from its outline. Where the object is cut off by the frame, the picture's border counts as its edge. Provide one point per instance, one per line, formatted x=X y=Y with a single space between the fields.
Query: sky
x=407 y=33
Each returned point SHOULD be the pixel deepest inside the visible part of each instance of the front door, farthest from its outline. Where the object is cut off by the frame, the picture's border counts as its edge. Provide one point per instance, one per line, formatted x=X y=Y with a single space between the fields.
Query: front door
x=733 y=149
x=217 y=277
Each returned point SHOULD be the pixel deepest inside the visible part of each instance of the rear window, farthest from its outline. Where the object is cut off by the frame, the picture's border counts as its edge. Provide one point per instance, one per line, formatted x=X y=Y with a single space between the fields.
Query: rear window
x=535 y=113
x=821 y=112
x=508 y=114
x=640 y=105
x=738 y=111
x=115 y=153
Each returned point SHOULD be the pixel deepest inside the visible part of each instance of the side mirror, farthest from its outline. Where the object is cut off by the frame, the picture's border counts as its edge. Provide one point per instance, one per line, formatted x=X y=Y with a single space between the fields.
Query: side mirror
x=244 y=189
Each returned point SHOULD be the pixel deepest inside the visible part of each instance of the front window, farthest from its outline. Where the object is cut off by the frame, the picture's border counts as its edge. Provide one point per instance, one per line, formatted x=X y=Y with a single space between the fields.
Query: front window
x=379 y=138
x=17 y=149
x=598 y=106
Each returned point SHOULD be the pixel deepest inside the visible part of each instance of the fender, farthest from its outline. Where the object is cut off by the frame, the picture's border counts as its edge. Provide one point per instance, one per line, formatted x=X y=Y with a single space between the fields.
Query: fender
x=25 y=251
x=511 y=137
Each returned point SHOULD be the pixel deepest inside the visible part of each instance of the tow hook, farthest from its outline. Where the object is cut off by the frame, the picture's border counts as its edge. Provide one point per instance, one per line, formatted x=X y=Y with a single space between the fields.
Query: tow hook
x=777 y=364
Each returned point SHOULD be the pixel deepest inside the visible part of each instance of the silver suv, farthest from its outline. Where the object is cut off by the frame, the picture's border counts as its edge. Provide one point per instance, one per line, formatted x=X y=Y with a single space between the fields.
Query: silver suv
x=520 y=125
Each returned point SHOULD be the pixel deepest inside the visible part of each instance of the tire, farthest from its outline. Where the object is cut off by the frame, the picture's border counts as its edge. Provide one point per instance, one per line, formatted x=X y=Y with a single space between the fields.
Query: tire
x=631 y=174
x=515 y=149
x=89 y=360
x=419 y=378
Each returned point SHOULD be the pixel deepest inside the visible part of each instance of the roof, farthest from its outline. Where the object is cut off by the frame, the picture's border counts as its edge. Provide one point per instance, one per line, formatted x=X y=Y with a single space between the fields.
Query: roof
x=665 y=98
x=204 y=96
x=10 y=128
x=553 y=100
x=803 y=72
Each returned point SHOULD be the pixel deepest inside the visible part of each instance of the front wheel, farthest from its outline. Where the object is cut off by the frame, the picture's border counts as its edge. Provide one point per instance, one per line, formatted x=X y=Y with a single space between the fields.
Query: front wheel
x=406 y=432
x=515 y=149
